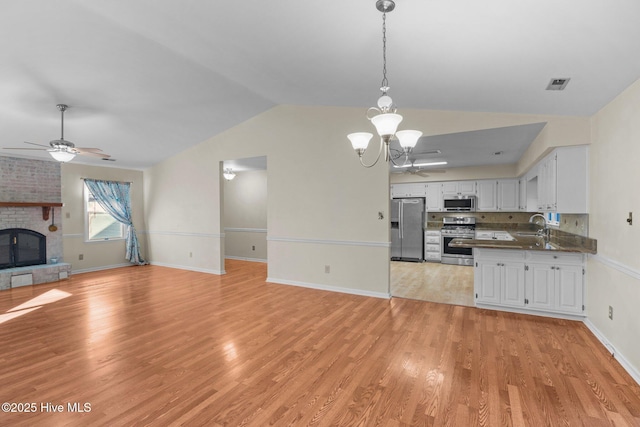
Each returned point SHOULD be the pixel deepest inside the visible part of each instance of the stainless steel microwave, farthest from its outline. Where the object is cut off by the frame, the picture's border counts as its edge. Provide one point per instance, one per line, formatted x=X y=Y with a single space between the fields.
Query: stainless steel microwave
x=459 y=203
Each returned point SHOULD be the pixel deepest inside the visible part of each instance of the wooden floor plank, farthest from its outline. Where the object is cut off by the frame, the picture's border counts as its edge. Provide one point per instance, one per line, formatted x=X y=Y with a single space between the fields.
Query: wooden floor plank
x=158 y=346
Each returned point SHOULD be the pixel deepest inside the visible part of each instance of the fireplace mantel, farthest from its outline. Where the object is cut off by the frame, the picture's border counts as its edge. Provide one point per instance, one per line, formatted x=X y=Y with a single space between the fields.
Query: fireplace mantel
x=46 y=207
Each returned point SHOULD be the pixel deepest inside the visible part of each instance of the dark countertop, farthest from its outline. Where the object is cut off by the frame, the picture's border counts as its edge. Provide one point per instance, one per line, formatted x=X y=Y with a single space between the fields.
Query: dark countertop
x=558 y=241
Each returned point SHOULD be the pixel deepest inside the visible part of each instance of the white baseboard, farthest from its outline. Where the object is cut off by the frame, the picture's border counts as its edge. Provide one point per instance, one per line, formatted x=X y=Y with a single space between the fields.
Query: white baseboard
x=554 y=315
x=635 y=374
x=190 y=268
x=104 y=267
x=329 y=288
x=245 y=259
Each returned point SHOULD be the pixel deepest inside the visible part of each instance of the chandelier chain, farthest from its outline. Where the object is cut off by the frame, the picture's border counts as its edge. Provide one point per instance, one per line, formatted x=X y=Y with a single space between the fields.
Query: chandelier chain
x=385 y=82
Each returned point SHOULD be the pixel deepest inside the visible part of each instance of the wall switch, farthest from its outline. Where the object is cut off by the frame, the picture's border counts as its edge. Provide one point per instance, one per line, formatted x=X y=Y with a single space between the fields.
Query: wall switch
x=190 y=254
x=67 y=215
x=81 y=257
x=327 y=269
x=610 y=312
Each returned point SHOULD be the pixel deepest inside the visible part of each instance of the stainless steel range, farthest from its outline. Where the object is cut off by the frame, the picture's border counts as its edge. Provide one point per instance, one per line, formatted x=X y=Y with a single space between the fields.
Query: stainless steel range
x=457 y=228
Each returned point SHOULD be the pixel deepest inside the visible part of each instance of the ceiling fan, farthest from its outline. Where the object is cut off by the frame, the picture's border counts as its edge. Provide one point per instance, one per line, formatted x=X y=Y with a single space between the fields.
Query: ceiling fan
x=63 y=150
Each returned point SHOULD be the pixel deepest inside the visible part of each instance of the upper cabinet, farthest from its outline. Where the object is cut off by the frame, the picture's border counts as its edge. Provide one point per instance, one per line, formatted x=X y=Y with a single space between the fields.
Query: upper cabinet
x=498 y=195
x=487 y=195
x=562 y=181
x=463 y=188
x=558 y=183
x=411 y=189
x=508 y=191
x=434 y=197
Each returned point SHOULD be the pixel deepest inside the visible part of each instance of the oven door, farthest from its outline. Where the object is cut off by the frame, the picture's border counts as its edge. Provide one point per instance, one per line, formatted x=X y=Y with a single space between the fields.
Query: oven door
x=456 y=256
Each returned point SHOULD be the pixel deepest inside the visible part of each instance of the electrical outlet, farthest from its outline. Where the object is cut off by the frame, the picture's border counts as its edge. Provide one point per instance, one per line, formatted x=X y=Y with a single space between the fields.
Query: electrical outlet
x=67 y=215
x=253 y=248
x=610 y=312
x=327 y=269
x=81 y=257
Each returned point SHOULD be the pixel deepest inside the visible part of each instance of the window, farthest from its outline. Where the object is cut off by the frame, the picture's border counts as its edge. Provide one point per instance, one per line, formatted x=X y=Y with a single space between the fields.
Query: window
x=99 y=225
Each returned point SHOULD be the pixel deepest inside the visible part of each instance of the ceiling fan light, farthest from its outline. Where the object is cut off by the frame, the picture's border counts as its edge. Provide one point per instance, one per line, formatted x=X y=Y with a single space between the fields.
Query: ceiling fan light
x=408 y=138
x=228 y=174
x=387 y=123
x=62 y=156
x=429 y=164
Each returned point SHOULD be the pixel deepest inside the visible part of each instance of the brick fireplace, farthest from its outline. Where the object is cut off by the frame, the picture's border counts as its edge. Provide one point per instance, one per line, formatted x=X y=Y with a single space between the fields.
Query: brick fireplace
x=26 y=186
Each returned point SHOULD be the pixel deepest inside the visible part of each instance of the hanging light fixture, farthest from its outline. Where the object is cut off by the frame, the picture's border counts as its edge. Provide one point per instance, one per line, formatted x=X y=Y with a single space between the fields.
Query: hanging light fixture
x=228 y=174
x=384 y=116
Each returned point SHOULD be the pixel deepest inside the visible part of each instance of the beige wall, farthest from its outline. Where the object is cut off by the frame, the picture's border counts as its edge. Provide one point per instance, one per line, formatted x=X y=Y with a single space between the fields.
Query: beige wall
x=321 y=202
x=97 y=255
x=613 y=276
x=323 y=206
x=245 y=216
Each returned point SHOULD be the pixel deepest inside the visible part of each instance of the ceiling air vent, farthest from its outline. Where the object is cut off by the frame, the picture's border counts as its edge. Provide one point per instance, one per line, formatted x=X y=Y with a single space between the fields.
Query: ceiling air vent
x=558 y=84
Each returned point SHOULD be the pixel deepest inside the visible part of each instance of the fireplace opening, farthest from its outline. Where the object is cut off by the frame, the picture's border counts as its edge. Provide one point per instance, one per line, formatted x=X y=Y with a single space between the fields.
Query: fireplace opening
x=20 y=247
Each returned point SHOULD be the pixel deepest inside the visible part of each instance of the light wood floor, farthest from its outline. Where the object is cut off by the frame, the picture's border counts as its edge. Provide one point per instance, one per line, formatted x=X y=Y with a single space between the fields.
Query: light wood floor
x=435 y=282
x=157 y=346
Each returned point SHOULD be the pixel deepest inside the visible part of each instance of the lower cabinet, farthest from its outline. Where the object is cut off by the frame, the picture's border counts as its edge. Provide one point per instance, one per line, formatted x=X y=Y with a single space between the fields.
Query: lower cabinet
x=530 y=280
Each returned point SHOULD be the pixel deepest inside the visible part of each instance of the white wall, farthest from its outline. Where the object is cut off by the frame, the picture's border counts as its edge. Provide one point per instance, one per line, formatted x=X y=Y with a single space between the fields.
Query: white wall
x=97 y=255
x=613 y=276
x=245 y=216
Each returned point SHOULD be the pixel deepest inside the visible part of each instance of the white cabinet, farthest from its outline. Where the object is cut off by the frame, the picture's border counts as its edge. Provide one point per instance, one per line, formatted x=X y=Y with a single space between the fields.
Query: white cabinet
x=562 y=180
x=432 y=249
x=487 y=196
x=412 y=189
x=547 y=181
x=522 y=194
x=500 y=195
x=466 y=188
x=434 y=197
x=555 y=282
x=530 y=280
x=508 y=190
x=499 y=278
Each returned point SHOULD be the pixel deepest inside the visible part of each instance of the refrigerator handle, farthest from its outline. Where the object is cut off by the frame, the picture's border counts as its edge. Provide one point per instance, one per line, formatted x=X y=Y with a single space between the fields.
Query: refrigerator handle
x=401 y=218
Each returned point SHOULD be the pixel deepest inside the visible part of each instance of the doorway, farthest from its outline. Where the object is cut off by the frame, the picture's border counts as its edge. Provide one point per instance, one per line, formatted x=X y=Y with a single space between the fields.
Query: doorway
x=244 y=199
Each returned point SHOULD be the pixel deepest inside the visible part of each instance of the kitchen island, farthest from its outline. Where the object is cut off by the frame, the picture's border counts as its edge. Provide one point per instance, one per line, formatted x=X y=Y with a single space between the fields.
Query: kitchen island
x=534 y=272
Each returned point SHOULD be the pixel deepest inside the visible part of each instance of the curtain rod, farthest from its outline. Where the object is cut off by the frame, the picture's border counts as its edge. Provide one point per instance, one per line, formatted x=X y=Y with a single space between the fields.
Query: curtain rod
x=107 y=180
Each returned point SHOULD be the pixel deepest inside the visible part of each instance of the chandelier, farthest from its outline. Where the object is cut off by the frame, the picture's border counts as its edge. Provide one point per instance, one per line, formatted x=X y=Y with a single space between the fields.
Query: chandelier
x=384 y=116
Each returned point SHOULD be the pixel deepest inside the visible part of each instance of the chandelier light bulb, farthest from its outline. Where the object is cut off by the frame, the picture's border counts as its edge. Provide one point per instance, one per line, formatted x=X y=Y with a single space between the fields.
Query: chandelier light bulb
x=408 y=138
x=386 y=124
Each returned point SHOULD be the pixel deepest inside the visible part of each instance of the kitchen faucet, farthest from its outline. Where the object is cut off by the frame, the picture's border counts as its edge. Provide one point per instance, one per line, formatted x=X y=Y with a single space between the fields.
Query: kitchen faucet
x=545 y=230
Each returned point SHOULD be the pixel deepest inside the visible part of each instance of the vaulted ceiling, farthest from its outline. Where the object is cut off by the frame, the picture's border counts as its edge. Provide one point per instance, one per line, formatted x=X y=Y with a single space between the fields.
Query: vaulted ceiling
x=146 y=79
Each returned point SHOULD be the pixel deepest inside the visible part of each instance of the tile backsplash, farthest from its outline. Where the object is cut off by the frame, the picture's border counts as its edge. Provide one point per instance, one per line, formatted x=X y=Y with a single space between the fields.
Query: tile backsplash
x=570 y=223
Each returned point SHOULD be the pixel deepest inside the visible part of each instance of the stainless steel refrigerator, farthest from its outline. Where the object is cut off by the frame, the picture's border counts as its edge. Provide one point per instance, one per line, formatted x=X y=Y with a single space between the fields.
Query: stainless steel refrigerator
x=407 y=229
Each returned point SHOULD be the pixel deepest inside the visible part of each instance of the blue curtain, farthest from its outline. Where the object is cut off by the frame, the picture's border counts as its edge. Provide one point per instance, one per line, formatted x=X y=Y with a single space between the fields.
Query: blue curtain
x=114 y=197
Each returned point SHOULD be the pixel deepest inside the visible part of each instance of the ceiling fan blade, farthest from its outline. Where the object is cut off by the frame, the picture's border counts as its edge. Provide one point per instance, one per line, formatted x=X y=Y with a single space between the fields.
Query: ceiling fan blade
x=40 y=145
x=16 y=148
x=85 y=149
x=94 y=154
